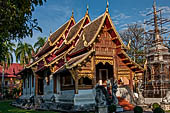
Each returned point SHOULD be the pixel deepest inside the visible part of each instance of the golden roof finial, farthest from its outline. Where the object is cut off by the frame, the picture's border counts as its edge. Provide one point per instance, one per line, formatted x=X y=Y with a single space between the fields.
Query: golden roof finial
x=72 y=13
x=154 y=3
x=87 y=9
x=107 y=6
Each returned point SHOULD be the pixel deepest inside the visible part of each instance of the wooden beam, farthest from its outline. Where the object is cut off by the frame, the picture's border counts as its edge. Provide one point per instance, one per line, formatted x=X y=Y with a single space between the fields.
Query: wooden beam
x=114 y=38
x=124 y=59
x=133 y=67
x=131 y=81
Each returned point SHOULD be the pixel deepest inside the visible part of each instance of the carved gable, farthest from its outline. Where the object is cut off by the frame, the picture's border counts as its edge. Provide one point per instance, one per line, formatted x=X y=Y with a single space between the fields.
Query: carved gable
x=104 y=44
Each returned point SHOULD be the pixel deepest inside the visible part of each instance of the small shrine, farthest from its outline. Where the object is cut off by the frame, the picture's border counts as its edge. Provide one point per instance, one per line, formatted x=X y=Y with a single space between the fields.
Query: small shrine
x=157 y=76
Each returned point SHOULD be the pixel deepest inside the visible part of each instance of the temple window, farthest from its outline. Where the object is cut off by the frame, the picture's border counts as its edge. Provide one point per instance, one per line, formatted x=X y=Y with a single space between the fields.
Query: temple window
x=6 y=83
x=24 y=82
x=28 y=81
x=67 y=80
x=32 y=80
x=85 y=81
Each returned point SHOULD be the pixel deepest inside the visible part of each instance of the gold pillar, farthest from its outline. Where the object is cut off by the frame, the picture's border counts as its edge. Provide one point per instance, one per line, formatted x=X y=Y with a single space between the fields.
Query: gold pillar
x=93 y=70
x=75 y=77
x=115 y=66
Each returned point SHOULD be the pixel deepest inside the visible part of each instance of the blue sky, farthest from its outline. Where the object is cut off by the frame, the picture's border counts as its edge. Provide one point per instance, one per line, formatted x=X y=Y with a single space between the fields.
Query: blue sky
x=54 y=13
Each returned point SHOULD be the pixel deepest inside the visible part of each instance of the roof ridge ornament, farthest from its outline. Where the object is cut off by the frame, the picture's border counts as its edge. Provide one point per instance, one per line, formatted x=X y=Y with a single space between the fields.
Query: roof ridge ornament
x=107 y=10
x=85 y=42
x=72 y=13
x=87 y=11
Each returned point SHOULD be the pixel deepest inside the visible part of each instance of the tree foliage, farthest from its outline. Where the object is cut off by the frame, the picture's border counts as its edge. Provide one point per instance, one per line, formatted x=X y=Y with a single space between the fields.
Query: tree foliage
x=40 y=43
x=135 y=34
x=16 y=21
x=8 y=53
x=23 y=53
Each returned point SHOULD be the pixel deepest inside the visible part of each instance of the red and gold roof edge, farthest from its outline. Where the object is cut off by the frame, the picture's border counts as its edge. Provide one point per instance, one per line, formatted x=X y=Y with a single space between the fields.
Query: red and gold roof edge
x=51 y=51
x=58 y=48
x=132 y=65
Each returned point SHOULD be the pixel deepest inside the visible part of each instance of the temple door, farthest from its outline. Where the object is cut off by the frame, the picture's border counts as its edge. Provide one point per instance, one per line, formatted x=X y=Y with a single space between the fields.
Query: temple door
x=40 y=86
x=103 y=76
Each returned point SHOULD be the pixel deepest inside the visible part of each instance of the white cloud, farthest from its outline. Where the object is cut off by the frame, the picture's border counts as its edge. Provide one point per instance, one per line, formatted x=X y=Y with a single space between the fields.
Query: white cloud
x=120 y=16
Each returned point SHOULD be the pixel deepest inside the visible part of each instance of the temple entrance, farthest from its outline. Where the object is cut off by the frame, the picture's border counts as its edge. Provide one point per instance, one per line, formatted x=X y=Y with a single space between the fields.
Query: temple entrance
x=40 y=86
x=104 y=72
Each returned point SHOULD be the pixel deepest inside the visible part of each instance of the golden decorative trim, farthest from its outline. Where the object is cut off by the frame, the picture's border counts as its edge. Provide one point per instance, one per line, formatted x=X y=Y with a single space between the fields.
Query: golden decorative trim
x=90 y=76
x=85 y=71
x=104 y=62
x=60 y=56
x=50 y=43
x=103 y=57
x=44 y=61
x=85 y=42
x=82 y=59
x=86 y=16
x=56 y=41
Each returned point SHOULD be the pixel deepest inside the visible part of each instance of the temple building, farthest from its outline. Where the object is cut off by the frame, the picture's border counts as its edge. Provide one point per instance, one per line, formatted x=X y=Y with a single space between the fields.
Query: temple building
x=8 y=77
x=157 y=76
x=76 y=57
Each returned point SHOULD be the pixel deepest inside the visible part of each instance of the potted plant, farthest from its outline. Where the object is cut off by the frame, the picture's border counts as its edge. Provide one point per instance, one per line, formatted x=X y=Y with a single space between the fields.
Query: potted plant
x=112 y=108
x=155 y=105
x=138 y=109
x=158 y=110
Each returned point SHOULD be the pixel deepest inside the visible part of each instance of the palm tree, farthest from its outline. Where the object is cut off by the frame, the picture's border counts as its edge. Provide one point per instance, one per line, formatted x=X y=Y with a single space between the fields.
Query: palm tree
x=8 y=58
x=41 y=41
x=23 y=53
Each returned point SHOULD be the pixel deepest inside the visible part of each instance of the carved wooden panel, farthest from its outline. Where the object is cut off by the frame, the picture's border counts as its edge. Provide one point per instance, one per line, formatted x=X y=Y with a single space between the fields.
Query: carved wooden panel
x=104 y=45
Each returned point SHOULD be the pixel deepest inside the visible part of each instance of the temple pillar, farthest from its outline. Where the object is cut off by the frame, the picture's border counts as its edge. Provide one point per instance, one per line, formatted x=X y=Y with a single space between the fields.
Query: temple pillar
x=58 y=84
x=76 y=84
x=131 y=81
x=75 y=77
x=36 y=84
x=115 y=66
x=93 y=66
x=55 y=84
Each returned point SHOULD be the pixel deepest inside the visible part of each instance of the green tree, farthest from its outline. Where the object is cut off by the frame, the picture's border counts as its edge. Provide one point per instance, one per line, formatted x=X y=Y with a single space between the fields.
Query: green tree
x=8 y=59
x=23 y=53
x=135 y=34
x=16 y=21
x=41 y=41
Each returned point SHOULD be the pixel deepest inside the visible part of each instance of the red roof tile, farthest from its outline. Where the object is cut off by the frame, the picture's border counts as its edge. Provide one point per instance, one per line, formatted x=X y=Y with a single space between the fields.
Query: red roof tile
x=12 y=70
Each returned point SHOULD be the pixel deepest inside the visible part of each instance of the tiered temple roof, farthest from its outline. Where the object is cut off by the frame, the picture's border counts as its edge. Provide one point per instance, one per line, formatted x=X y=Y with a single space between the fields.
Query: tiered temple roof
x=72 y=43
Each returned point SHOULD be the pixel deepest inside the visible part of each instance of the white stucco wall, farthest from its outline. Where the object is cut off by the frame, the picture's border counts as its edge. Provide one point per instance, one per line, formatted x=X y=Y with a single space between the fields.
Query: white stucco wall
x=48 y=89
x=31 y=90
